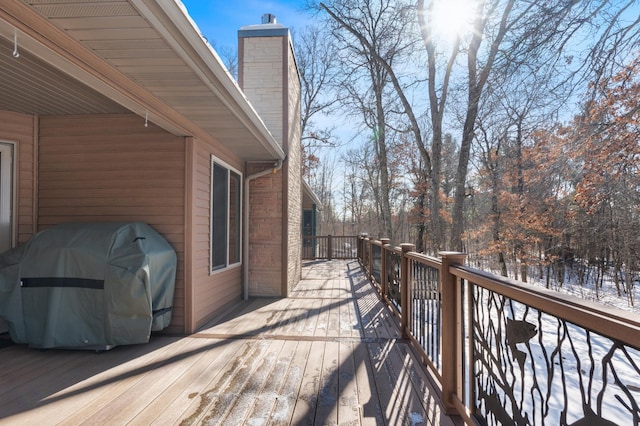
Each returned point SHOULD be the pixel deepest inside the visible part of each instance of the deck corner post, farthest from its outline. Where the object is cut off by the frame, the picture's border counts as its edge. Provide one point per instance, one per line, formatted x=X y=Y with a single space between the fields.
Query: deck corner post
x=451 y=329
x=404 y=289
x=370 y=259
x=384 y=276
x=329 y=247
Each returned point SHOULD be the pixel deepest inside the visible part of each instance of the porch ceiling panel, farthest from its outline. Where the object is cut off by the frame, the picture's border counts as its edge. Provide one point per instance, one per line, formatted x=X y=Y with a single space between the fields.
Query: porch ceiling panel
x=30 y=86
x=153 y=44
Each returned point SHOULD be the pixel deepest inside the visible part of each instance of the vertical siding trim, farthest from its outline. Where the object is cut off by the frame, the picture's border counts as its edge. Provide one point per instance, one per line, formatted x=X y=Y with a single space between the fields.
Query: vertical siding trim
x=36 y=181
x=189 y=220
x=285 y=173
x=14 y=216
x=285 y=94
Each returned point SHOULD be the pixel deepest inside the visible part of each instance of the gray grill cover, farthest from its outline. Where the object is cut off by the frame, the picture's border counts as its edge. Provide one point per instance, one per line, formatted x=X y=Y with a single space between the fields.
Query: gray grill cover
x=88 y=285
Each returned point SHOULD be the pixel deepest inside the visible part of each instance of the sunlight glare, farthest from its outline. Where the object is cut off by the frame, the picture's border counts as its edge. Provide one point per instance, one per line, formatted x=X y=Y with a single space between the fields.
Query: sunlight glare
x=452 y=18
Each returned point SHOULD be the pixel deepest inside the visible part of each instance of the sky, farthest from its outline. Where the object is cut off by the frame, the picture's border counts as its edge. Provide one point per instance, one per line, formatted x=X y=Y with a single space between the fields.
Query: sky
x=220 y=24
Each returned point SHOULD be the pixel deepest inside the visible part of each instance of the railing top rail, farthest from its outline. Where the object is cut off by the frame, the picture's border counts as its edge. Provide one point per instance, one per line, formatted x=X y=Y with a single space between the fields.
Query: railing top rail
x=377 y=243
x=612 y=322
x=423 y=258
x=332 y=236
x=389 y=247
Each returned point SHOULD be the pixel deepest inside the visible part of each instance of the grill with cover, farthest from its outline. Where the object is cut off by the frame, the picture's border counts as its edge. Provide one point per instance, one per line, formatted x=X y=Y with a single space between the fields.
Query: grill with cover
x=88 y=286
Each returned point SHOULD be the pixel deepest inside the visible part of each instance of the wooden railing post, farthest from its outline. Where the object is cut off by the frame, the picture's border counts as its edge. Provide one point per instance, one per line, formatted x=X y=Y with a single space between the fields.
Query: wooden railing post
x=370 y=258
x=329 y=247
x=384 y=276
x=451 y=328
x=365 y=255
x=405 y=300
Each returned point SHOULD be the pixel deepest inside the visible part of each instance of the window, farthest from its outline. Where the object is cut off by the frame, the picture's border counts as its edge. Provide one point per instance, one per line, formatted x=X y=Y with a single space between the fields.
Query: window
x=226 y=219
x=6 y=196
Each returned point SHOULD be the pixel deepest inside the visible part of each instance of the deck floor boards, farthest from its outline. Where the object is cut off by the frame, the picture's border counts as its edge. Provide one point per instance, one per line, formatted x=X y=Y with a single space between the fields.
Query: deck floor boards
x=331 y=353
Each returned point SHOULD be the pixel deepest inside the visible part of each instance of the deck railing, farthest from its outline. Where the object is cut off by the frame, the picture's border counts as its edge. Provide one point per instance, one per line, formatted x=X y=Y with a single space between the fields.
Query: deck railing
x=507 y=353
x=330 y=247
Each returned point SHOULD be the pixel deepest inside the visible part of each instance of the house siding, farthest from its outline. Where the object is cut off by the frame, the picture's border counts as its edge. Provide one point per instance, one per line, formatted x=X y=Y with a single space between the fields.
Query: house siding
x=20 y=129
x=113 y=168
x=212 y=292
x=266 y=231
x=294 y=247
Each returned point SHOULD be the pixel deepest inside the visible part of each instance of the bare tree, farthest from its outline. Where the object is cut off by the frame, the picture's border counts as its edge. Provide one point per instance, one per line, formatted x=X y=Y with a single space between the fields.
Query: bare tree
x=316 y=60
x=358 y=188
x=371 y=33
x=550 y=45
x=478 y=71
x=438 y=92
x=526 y=36
x=322 y=184
x=229 y=58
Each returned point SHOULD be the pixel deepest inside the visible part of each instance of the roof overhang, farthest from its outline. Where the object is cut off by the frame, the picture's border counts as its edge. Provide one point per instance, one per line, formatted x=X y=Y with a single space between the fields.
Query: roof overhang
x=140 y=56
x=310 y=197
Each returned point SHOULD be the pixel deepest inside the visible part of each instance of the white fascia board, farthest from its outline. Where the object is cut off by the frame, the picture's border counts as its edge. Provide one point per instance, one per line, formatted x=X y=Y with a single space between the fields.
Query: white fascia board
x=311 y=194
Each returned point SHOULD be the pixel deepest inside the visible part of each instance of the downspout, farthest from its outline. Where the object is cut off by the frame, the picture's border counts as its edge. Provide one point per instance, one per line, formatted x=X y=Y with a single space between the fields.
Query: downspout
x=245 y=232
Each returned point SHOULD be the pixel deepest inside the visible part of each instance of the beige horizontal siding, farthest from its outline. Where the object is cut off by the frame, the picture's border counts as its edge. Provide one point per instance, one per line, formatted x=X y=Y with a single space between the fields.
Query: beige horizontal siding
x=212 y=292
x=113 y=168
x=19 y=128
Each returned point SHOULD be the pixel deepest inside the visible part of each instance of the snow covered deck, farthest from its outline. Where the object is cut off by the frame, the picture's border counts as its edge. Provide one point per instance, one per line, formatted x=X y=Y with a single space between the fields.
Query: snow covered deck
x=331 y=353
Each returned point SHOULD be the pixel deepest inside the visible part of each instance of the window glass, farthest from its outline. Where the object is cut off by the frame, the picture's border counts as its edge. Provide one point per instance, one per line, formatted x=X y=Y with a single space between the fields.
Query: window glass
x=226 y=216
x=219 y=218
x=234 y=218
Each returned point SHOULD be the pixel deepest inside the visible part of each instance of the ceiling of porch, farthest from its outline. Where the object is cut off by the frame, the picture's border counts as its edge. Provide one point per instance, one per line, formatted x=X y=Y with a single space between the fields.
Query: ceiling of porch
x=154 y=47
x=31 y=86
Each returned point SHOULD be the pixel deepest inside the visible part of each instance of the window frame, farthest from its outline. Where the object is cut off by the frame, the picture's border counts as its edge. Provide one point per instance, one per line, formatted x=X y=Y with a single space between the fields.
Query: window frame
x=229 y=234
x=8 y=193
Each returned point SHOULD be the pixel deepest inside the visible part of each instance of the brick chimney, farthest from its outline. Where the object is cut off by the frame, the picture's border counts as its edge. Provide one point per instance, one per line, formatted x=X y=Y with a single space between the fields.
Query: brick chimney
x=268 y=75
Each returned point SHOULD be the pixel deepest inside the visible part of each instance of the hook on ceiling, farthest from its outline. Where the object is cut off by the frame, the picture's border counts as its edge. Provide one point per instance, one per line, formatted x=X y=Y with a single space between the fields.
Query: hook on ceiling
x=16 y=54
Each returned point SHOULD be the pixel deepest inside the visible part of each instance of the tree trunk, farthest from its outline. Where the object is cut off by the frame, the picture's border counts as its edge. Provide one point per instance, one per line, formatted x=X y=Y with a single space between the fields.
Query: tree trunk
x=495 y=216
x=476 y=83
x=381 y=151
x=457 y=228
x=420 y=239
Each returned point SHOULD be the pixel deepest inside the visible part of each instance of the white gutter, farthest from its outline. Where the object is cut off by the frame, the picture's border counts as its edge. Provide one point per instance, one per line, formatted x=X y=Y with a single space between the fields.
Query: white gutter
x=245 y=232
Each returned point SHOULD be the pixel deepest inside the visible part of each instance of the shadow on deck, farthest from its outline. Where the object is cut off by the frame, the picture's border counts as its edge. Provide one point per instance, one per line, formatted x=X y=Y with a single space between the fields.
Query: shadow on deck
x=329 y=354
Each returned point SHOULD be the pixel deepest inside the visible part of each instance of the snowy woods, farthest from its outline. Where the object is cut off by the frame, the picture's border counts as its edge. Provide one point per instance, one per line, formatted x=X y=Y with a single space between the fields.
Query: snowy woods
x=507 y=130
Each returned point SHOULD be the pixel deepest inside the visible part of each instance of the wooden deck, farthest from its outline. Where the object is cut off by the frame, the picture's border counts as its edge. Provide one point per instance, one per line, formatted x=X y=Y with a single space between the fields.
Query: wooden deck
x=329 y=354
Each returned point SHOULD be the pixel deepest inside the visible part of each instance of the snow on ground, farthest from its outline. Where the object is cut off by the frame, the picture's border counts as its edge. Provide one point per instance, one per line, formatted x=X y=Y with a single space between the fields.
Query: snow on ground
x=552 y=372
x=607 y=294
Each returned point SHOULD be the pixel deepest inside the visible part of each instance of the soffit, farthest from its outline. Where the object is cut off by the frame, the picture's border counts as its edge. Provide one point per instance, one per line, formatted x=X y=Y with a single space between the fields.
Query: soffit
x=31 y=86
x=155 y=55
